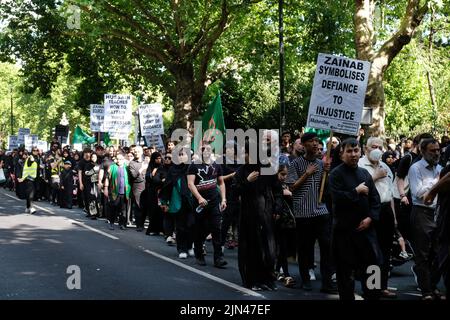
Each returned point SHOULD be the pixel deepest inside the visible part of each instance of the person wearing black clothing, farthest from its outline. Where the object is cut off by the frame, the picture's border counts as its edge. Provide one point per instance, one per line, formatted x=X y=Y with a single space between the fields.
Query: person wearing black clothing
x=313 y=220
x=66 y=193
x=402 y=196
x=442 y=190
x=92 y=170
x=19 y=163
x=159 y=179
x=203 y=180
x=84 y=166
x=356 y=205
x=152 y=187
x=177 y=203
x=261 y=200
x=231 y=214
x=138 y=168
x=27 y=179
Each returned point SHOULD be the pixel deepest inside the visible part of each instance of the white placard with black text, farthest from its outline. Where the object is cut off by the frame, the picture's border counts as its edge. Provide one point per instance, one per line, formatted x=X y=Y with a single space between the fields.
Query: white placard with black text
x=97 y=117
x=151 y=119
x=338 y=94
x=118 y=113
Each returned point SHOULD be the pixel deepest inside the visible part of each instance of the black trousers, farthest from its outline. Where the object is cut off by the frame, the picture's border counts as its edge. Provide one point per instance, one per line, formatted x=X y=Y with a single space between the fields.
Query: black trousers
x=184 y=227
x=65 y=198
x=385 y=229
x=29 y=192
x=283 y=236
x=230 y=217
x=353 y=253
x=118 y=208
x=308 y=231
x=403 y=214
x=206 y=222
x=425 y=246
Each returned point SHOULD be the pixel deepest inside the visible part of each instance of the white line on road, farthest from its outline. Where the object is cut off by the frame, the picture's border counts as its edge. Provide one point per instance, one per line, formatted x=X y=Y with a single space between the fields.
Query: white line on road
x=207 y=275
x=157 y=255
x=80 y=224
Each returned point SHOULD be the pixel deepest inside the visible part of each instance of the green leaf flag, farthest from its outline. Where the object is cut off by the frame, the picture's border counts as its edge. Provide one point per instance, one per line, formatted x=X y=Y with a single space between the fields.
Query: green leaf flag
x=79 y=136
x=212 y=119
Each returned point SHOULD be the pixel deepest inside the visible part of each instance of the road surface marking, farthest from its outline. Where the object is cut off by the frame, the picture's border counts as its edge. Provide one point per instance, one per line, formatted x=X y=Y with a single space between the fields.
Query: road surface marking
x=162 y=257
x=206 y=275
x=80 y=224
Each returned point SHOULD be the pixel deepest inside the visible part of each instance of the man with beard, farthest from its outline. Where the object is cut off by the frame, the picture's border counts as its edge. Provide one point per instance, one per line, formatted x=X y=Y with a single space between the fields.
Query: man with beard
x=423 y=175
x=138 y=168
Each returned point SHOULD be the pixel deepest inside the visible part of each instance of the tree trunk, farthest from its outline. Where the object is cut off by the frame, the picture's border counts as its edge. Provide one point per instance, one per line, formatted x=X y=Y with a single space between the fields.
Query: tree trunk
x=187 y=98
x=364 y=40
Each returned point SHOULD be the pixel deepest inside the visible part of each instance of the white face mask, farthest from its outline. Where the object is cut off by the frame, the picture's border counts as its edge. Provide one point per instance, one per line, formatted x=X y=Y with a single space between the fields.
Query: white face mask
x=392 y=146
x=375 y=155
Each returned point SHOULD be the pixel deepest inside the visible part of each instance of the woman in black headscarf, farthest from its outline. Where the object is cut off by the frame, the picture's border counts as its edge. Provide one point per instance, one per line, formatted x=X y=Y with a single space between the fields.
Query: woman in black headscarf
x=177 y=203
x=261 y=198
x=152 y=187
x=389 y=158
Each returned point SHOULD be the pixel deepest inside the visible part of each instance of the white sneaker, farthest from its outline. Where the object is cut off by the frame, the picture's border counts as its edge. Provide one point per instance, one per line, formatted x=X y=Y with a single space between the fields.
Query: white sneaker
x=312 y=275
x=170 y=241
x=191 y=253
x=32 y=210
x=27 y=210
x=183 y=255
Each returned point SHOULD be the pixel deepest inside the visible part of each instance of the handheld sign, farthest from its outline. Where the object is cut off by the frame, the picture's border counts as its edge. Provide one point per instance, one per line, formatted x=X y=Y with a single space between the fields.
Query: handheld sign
x=13 y=143
x=118 y=113
x=97 y=117
x=151 y=119
x=338 y=94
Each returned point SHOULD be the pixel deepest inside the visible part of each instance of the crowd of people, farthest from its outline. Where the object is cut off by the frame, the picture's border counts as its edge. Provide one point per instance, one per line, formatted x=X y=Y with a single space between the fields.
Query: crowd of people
x=384 y=203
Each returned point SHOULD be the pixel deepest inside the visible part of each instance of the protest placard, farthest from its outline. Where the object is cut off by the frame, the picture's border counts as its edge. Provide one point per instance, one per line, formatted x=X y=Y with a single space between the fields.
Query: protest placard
x=151 y=119
x=97 y=117
x=338 y=94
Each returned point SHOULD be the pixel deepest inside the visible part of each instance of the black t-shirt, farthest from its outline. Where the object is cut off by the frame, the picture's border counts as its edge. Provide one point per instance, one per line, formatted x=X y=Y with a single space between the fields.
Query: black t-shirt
x=406 y=163
x=206 y=179
x=227 y=169
x=84 y=166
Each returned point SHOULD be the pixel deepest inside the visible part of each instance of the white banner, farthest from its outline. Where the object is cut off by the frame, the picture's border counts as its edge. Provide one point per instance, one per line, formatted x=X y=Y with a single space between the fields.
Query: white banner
x=97 y=117
x=338 y=94
x=151 y=119
x=13 y=143
x=118 y=113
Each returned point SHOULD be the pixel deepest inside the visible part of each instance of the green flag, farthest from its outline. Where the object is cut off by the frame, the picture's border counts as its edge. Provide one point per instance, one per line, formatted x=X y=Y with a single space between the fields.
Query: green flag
x=79 y=136
x=212 y=119
x=107 y=139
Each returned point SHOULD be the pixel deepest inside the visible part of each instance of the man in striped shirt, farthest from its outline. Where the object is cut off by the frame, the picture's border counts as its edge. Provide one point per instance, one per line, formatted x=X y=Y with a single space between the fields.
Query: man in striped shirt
x=312 y=218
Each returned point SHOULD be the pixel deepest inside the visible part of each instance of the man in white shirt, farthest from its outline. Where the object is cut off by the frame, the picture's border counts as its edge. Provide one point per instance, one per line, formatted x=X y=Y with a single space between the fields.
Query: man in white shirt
x=385 y=227
x=423 y=175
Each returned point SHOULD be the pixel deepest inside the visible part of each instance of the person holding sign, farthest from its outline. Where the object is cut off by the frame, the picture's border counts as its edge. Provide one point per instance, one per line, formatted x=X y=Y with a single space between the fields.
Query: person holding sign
x=312 y=218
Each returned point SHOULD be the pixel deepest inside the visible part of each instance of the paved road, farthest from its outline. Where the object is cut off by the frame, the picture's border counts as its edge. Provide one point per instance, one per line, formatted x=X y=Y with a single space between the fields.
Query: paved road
x=36 y=250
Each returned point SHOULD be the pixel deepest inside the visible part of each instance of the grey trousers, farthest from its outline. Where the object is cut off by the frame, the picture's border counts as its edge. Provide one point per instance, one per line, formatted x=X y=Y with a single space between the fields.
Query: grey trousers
x=425 y=246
